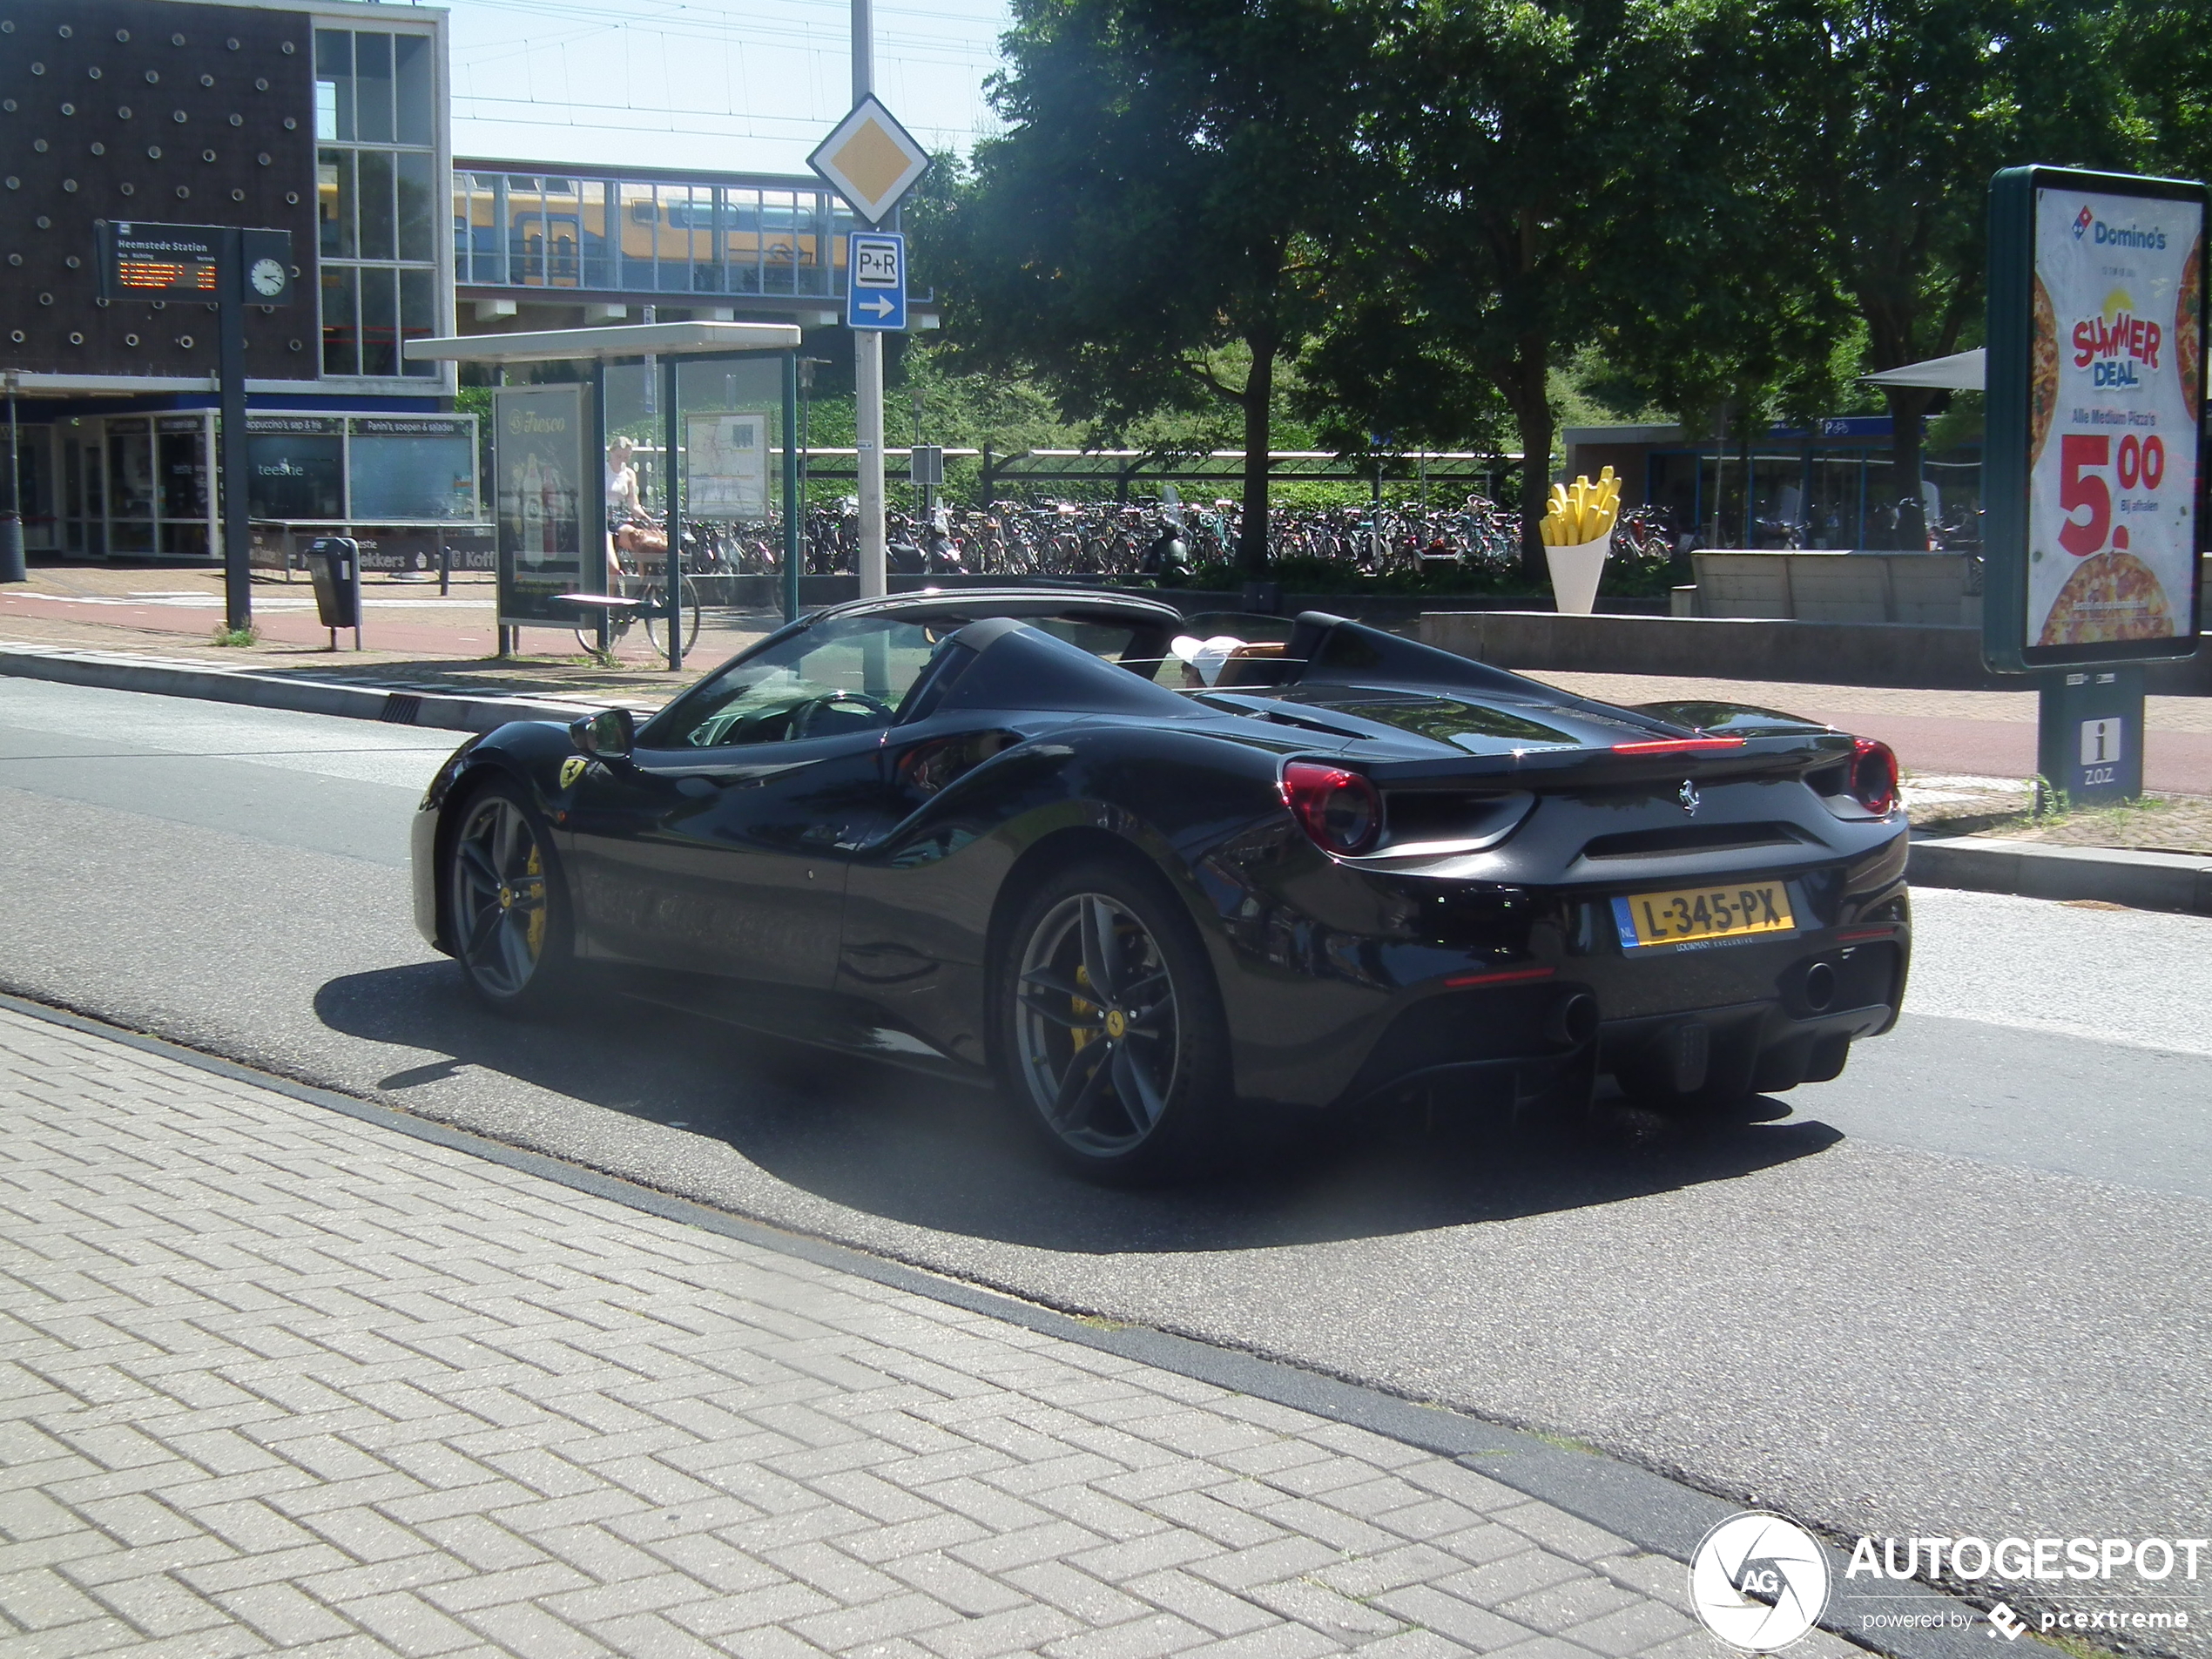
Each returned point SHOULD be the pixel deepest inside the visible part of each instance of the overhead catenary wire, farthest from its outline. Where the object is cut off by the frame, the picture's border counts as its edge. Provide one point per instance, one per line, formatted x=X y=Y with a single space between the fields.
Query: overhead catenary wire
x=733 y=38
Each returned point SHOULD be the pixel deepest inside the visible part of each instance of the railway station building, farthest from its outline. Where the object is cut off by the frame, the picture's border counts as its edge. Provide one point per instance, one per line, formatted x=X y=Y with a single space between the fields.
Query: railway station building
x=329 y=120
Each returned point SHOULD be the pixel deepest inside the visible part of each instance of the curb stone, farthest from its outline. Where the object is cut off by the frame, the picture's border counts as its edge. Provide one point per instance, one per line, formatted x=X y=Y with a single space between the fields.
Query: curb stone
x=2177 y=881
x=1651 y=1512
x=441 y=707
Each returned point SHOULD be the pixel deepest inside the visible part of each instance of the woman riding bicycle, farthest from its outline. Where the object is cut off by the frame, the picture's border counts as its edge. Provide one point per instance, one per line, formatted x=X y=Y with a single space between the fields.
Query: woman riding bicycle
x=628 y=531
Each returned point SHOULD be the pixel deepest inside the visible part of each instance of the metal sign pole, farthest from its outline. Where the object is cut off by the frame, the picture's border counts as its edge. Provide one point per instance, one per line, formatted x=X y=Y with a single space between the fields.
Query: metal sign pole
x=230 y=308
x=793 y=504
x=867 y=362
x=672 y=494
x=595 y=503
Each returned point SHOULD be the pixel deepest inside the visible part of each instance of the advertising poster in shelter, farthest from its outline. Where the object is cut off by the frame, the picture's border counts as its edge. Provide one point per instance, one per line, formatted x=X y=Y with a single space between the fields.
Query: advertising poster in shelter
x=2115 y=380
x=539 y=451
x=726 y=467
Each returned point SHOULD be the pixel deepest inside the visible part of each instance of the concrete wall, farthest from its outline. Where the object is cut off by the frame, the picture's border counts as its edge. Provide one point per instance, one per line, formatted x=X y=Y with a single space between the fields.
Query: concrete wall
x=1399 y=612
x=1924 y=588
x=1716 y=648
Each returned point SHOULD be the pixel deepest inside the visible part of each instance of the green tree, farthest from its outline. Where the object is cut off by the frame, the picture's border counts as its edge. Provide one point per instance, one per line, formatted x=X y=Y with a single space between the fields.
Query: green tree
x=1546 y=178
x=1141 y=235
x=2162 y=53
x=1889 y=117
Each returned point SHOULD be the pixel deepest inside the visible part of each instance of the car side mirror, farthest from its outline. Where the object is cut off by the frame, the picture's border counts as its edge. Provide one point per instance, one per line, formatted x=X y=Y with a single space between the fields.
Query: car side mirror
x=607 y=734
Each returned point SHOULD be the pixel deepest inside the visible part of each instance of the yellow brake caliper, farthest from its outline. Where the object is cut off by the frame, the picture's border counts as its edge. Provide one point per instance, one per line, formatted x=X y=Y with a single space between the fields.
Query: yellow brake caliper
x=535 y=872
x=1081 y=1034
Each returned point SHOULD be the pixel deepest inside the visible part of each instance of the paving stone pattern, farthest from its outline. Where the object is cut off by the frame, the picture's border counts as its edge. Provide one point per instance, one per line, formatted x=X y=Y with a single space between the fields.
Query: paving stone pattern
x=279 y=1379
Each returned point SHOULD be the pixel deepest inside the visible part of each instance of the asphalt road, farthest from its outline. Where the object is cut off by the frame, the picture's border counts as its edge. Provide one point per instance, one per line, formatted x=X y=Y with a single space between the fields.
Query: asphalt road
x=1963 y=1290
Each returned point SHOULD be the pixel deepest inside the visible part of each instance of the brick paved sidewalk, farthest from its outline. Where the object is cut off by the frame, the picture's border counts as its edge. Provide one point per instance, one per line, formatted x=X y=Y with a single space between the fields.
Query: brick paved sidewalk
x=171 y=612
x=280 y=1379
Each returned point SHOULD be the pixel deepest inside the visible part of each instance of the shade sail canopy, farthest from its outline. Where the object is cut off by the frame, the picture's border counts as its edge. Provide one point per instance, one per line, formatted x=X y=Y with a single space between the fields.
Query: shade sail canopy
x=622 y=340
x=1964 y=371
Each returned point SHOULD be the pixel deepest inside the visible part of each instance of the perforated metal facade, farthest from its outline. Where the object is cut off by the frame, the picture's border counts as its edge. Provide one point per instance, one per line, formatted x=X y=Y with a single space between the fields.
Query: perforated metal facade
x=124 y=109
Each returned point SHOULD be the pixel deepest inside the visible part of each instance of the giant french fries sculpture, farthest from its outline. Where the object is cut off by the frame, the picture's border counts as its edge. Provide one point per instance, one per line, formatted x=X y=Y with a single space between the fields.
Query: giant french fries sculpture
x=1586 y=512
x=1577 y=529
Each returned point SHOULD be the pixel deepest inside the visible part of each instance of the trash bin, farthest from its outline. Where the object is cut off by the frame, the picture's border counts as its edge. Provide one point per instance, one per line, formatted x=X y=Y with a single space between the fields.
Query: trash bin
x=334 y=566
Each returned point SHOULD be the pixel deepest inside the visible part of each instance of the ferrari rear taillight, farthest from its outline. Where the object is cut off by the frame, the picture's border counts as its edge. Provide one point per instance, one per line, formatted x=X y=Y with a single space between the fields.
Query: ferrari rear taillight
x=1339 y=809
x=1873 y=775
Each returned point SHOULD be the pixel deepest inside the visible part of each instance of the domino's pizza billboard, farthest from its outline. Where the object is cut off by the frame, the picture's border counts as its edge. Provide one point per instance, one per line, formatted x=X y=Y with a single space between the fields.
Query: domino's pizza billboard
x=2093 y=486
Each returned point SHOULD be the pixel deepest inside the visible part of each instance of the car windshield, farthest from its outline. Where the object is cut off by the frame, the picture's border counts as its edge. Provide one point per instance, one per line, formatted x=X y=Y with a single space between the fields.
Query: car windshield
x=846 y=674
x=840 y=676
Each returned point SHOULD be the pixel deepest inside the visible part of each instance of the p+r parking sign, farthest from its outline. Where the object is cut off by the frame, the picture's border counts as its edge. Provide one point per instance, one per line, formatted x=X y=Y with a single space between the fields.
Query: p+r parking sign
x=875 y=287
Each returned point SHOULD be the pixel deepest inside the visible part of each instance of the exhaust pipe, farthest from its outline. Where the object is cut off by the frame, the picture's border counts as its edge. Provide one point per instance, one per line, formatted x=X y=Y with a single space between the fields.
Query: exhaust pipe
x=1573 y=1019
x=1820 y=987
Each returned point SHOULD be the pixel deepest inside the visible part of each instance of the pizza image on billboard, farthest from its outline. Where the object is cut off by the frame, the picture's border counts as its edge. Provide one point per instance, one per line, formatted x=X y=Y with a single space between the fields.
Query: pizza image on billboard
x=2115 y=381
x=2043 y=374
x=2110 y=596
x=2188 y=338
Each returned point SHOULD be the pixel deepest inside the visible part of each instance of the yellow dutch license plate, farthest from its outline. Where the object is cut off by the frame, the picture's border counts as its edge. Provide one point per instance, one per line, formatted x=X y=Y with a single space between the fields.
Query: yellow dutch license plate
x=1704 y=915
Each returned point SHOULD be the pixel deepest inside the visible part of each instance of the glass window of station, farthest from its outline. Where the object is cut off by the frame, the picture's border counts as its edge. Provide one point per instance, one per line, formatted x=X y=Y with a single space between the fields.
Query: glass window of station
x=377 y=181
x=614 y=235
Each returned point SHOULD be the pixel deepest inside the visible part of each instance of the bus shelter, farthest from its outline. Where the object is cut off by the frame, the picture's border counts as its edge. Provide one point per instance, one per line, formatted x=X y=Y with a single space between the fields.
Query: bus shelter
x=720 y=392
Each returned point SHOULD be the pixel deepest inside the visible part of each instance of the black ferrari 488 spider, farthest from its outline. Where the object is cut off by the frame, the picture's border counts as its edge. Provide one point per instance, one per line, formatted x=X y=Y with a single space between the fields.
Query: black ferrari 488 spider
x=1055 y=840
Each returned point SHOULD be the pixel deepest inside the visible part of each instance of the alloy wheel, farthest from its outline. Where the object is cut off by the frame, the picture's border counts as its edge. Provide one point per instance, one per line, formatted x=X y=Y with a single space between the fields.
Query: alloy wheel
x=1096 y=1027
x=499 y=904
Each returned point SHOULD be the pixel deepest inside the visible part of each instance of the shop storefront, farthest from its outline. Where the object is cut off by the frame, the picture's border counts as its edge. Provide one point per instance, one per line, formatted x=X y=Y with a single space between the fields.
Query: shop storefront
x=405 y=486
x=139 y=485
x=133 y=486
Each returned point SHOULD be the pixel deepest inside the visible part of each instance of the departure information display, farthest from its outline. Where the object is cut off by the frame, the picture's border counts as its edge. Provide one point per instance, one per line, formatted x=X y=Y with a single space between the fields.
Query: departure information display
x=159 y=259
x=142 y=261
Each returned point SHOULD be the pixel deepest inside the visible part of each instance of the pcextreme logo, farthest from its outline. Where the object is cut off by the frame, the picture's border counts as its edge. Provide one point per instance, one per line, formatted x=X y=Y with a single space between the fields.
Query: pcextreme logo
x=1758 y=1582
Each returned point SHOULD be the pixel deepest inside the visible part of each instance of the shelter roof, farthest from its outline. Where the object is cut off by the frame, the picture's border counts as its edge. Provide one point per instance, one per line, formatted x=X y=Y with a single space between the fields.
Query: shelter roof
x=620 y=340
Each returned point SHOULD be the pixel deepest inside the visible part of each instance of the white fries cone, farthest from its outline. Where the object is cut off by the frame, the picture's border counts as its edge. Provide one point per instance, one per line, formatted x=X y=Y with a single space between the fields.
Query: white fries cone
x=1574 y=575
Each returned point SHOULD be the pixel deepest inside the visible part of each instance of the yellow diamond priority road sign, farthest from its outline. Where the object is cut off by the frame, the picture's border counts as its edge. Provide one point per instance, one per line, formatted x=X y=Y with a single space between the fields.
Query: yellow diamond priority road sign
x=871 y=160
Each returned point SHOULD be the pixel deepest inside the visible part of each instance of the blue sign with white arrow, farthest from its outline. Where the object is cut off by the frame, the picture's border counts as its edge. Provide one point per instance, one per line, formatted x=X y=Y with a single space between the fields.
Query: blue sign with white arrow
x=875 y=280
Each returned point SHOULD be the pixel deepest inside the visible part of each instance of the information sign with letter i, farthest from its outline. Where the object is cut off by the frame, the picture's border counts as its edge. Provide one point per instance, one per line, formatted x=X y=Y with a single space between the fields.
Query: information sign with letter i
x=2093 y=483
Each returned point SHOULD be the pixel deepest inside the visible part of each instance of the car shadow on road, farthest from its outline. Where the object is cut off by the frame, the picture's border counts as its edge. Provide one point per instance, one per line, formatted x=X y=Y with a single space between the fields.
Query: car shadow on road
x=933 y=1154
